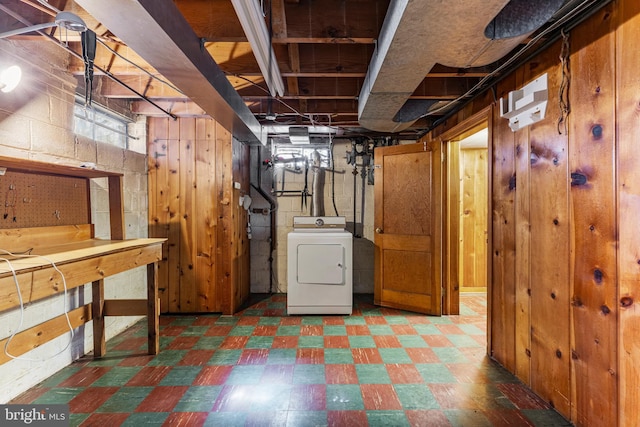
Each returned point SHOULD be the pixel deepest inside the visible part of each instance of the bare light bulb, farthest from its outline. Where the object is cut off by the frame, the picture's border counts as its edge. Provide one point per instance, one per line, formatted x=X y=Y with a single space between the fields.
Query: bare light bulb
x=10 y=78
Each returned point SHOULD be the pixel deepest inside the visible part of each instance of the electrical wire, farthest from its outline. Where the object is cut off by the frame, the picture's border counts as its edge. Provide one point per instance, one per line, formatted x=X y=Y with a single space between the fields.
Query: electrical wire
x=22 y=309
x=153 y=76
x=574 y=12
x=77 y=55
x=563 y=91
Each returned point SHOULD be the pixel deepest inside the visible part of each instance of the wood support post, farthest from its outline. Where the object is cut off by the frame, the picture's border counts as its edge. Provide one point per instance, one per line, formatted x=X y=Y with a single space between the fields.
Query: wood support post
x=97 y=312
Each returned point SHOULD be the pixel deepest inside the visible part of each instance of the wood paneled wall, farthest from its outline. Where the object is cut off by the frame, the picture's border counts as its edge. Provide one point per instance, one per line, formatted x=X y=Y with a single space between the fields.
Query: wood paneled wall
x=473 y=218
x=565 y=226
x=193 y=165
x=627 y=190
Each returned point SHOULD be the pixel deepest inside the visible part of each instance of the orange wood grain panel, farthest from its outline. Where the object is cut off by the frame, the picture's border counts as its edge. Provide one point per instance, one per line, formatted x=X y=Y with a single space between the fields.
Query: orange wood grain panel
x=83 y=263
x=224 y=231
x=98 y=312
x=22 y=239
x=173 y=205
x=408 y=244
x=550 y=233
x=241 y=174
x=523 y=258
x=628 y=192
x=205 y=215
x=592 y=154
x=158 y=202
x=451 y=299
x=34 y=337
x=116 y=208
x=33 y=166
x=473 y=247
x=188 y=228
x=153 y=309
x=503 y=237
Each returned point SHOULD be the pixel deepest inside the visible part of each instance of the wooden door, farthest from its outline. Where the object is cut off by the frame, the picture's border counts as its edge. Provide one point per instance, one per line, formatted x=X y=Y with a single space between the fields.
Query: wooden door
x=407 y=222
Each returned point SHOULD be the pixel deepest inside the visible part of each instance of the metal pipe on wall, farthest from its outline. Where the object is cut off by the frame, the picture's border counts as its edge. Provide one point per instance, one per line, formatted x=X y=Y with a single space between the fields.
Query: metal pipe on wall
x=272 y=218
x=317 y=187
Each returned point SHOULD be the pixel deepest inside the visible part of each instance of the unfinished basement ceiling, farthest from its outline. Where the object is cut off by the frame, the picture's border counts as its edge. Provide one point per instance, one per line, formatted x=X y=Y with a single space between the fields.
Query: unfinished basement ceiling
x=365 y=67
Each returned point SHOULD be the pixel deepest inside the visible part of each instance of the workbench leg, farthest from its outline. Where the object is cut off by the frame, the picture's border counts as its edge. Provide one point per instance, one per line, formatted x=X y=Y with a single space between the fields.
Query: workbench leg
x=153 y=308
x=97 y=313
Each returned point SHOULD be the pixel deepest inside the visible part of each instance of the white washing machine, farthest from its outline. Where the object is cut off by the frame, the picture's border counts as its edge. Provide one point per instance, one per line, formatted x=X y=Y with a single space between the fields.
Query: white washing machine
x=320 y=266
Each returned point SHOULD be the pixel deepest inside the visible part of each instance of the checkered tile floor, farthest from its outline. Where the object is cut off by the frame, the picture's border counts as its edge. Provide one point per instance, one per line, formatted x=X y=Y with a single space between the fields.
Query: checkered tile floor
x=378 y=367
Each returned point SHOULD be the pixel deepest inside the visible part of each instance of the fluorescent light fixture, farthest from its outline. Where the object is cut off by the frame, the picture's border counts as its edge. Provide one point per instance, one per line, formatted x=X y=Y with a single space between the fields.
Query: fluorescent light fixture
x=10 y=78
x=67 y=20
x=299 y=135
x=278 y=129
x=252 y=21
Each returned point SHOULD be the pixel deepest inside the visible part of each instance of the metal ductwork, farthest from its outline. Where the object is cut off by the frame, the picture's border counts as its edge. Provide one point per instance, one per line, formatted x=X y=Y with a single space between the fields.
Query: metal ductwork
x=417 y=34
x=157 y=31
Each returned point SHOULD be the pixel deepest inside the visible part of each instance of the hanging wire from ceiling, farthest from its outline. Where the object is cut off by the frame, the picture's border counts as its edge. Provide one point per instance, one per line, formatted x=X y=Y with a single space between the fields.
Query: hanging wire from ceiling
x=563 y=91
x=147 y=72
x=79 y=56
x=101 y=39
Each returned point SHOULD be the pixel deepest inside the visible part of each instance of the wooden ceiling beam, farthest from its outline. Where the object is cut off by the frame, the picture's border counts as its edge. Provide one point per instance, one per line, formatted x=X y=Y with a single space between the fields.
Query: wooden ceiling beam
x=327 y=21
x=178 y=108
x=324 y=40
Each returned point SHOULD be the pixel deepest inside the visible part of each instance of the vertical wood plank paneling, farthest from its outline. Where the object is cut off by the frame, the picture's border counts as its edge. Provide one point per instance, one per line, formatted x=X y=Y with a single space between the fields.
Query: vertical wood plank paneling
x=628 y=188
x=473 y=248
x=193 y=168
x=550 y=278
x=188 y=229
x=158 y=180
x=174 y=192
x=224 y=232
x=592 y=154
x=116 y=208
x=203 y=215
x=241 y=265
x=503 y=238
x=523 y=258
x=452 y=217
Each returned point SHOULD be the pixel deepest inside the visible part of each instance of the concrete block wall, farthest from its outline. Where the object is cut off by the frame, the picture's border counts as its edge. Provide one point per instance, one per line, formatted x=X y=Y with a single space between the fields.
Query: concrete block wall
x=291 y=205
x=36 y=122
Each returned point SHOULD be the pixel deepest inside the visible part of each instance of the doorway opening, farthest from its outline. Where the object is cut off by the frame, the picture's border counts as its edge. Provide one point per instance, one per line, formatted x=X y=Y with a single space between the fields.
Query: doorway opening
x=472 y=212
x=466 y=218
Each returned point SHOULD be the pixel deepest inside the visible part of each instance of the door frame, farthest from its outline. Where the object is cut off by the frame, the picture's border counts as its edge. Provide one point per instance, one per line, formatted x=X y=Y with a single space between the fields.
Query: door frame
x=451 y=210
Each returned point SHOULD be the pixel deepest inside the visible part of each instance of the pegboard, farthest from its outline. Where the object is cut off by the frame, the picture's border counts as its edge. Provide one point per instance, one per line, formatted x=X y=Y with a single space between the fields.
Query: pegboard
x=41 y=200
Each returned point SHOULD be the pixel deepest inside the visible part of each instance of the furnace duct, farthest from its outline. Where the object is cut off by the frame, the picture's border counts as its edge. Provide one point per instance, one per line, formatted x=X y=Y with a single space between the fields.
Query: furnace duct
x=415 y=36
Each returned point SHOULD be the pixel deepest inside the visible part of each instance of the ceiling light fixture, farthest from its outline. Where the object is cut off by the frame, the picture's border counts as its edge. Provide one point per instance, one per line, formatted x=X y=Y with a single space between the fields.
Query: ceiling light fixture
x=70 y=21
x=10 y=78
x=252 y=21
x=299 y=135
x=66 y=20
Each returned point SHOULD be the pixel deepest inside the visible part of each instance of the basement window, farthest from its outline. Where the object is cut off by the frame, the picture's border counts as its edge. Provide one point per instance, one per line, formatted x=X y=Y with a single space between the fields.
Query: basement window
x=295 y=157
x=99 y=124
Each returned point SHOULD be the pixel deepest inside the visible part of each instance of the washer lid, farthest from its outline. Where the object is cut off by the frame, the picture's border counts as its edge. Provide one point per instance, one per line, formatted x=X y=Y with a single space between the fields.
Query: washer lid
x=319 y=223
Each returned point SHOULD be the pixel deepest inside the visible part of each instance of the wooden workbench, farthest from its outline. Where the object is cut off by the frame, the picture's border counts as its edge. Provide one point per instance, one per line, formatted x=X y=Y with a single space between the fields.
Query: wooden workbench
x=77 y=254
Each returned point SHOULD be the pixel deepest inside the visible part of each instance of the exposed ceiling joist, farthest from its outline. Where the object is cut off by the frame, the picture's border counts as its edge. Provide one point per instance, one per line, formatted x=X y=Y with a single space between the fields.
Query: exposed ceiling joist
x=169 y=45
